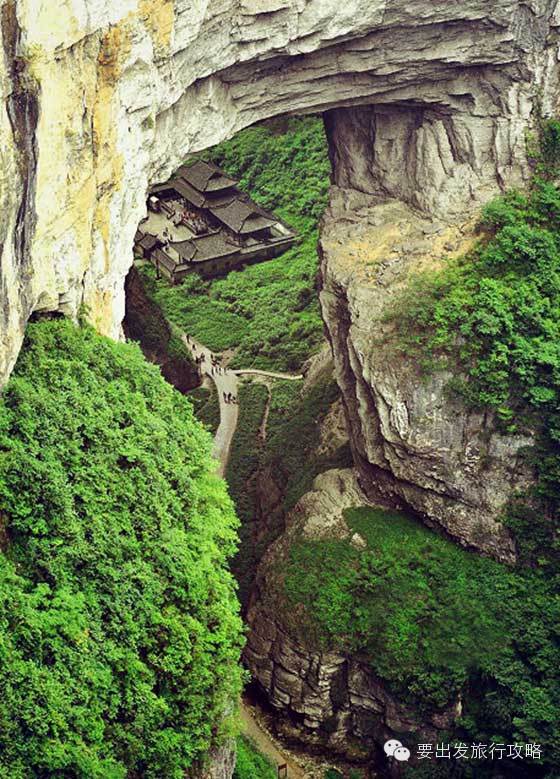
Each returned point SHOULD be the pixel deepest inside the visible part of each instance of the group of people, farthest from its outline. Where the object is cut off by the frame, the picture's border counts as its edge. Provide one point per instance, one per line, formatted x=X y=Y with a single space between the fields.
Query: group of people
x=194 y=221
x=215 y=368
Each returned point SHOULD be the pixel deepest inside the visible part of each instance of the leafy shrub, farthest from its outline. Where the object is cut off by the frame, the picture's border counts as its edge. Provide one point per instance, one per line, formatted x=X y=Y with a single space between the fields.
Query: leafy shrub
x=206 y=406
x=119 y=632
x=251 y=763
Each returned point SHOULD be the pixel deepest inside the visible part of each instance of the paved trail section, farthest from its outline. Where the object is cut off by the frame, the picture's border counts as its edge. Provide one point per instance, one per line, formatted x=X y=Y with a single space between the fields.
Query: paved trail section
x=226 y=381
x=253 y=729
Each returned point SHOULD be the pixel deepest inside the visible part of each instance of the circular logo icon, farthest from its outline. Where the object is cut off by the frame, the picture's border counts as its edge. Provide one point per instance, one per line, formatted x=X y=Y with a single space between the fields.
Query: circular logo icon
x=390 y=746
x=401 y=754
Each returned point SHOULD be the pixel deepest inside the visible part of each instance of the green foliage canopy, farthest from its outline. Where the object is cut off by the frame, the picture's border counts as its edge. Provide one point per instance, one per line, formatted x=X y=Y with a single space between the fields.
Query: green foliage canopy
x=119 y=631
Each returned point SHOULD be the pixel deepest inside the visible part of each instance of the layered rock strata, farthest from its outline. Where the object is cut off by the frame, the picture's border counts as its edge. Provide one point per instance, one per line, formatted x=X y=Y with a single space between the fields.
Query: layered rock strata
x=329 y=699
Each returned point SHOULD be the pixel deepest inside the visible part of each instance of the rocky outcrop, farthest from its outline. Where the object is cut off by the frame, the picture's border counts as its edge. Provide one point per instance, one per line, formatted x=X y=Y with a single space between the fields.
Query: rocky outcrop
x=220 y=764
x=413 y=443
x=326 y=699
x=101 y=99
x=145 y=323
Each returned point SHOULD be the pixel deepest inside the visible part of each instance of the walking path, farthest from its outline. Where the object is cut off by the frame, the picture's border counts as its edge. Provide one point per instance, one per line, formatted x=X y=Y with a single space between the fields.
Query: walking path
x=271 y=374
x=253 y=729
x=226 y=381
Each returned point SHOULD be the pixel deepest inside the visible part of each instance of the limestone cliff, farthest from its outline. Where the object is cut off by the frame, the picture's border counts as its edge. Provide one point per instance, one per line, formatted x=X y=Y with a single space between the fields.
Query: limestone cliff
x=413 y=442
x=328 y=699
x=100 y=99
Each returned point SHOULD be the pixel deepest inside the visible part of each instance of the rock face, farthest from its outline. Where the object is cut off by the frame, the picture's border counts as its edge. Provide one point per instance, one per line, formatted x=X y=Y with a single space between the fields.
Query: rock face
x=412 y=442
x=101 y=99
x=221 y=763
x=329 y=700
x=145 y=323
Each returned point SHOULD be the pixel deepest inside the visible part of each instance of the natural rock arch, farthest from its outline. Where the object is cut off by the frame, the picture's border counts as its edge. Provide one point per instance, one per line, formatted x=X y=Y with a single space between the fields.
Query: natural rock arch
x=104 y=99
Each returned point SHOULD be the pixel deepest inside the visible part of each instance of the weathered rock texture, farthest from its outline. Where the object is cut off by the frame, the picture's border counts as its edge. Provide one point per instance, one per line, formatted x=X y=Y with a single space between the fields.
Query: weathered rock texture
x=220 y=765
x=328 y=699
x=413 y=443
x=144 y=322
x=100 y=99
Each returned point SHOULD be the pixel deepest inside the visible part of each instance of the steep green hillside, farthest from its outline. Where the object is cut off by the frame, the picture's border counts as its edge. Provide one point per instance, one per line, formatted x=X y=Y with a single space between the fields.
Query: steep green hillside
x=119 y=631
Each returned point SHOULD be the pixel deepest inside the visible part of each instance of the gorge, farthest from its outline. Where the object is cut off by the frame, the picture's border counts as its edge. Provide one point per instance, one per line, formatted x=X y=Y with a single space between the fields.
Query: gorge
x=429 y=112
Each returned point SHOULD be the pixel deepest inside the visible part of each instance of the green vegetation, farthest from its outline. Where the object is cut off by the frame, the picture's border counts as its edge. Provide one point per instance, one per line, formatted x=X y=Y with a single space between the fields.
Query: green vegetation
x=434 y=619
x=297 y=418
x=268 y=312
x=251 y=763
x=146 y=324
x=119 y=632
x=284 y=464
x=244 y=461
x=206 y=406
x=421 y=608
x=493 y=317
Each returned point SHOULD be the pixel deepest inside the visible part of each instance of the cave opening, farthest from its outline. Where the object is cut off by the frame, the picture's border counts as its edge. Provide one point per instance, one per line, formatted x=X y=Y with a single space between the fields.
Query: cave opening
x=248 y=341
x=227 y=250
x=239 y=332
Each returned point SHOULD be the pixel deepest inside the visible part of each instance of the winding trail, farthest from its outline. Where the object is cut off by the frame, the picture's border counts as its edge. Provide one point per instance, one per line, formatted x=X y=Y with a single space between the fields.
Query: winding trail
x=270 y=374
x=226 y=381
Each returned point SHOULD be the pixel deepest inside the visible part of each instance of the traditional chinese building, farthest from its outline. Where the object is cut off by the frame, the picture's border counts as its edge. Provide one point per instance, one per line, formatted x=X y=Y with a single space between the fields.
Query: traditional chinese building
x=201 y=221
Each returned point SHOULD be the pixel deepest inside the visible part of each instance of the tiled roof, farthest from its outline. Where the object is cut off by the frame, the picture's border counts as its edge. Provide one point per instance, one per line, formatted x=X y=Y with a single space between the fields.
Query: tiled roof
x=185 y=249
x=213 y=245
x=205 y=176
x=146 y=240
x=241 y=217
x=204 y=247
x=183 y=187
